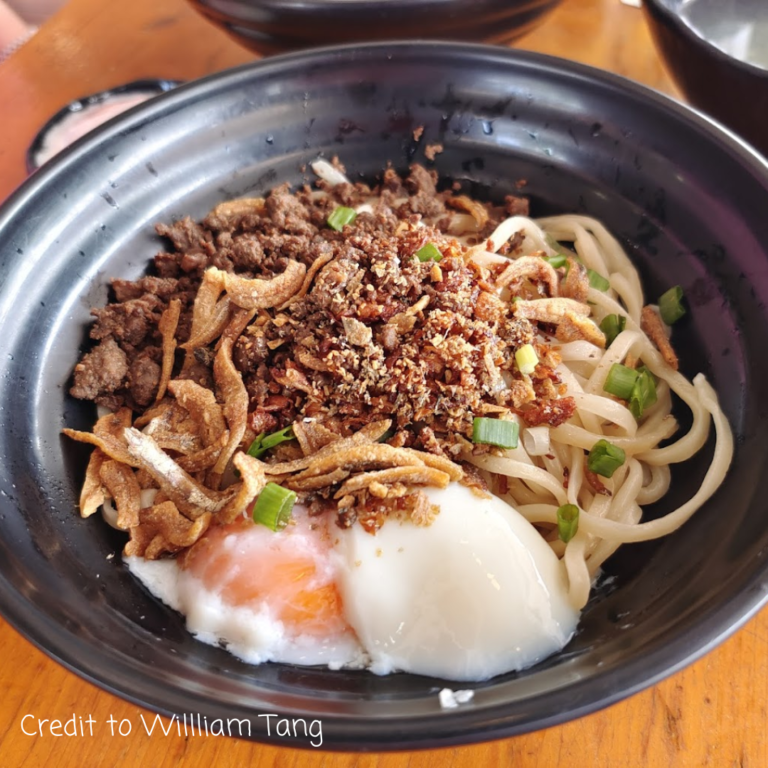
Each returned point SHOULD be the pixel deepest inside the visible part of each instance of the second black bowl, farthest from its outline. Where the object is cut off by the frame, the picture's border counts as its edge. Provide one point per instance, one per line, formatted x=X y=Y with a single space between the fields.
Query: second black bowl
x=271 y=26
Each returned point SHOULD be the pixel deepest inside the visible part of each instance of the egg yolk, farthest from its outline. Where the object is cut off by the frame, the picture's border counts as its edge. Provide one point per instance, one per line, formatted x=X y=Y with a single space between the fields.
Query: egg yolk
x=288 y=572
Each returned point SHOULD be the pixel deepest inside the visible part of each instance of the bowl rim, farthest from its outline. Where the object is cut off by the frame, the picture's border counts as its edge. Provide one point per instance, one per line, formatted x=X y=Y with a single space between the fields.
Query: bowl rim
x=307 y=7
x=673 y=18
x=467 y=725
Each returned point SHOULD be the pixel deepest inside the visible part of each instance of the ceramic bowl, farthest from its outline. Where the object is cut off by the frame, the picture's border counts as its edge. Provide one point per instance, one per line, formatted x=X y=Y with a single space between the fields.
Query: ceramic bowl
x=270 y=26
x=686 y=199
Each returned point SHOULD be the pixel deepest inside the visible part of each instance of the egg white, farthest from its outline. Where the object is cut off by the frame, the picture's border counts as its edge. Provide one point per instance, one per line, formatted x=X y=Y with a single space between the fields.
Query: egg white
x=473 y=595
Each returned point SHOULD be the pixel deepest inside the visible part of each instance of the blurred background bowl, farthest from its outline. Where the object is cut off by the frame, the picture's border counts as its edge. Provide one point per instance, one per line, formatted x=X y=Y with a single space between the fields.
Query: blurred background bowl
x=272 y=26
x=717 y=52
x=78 y=117
x=686 y=200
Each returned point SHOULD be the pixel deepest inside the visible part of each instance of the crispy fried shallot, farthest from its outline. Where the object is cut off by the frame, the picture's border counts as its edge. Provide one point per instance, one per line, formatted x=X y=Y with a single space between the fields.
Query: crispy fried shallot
x=476 y=210
x=306 y=284
x=231 y=390
x=92 y=493
x=113 y=447
x=370 y=433
x=532 y=268
x=202 y=407
x=313 y=436
x=163 y=530
x=169 y=322
x=576 y=283
x=209 y=315
x=409 y=475
x=260 y=294
x=253 y=481
x=549 y=310
x=651 y=324
x=243 y=206
x=122 y=485
x=574 y=327
x=361 y=457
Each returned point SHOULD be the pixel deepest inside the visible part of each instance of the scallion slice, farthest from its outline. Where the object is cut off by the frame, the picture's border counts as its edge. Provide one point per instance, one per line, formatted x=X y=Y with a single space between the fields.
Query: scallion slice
x=620 y=381
x=526 y=359
x=558 y=260
x=504 y=434
x=612 y=326
x=671 y=307
x=388 y=435
x=643 y=393
x=429 y=252
x=597 y=281
x=567 y=522
x=273 y=506
x=264 y=442
x=605 y=458
x=340 y=217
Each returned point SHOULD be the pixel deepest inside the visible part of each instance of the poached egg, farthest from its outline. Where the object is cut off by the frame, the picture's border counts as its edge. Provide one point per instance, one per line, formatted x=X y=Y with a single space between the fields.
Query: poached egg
x=475 y=594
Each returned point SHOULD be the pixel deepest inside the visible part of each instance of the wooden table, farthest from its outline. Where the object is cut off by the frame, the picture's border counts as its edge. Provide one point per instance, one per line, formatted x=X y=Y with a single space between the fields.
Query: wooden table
x=711 y=714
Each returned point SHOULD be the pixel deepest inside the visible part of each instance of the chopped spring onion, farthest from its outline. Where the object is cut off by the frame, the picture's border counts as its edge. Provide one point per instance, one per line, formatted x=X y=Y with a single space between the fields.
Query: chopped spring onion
x=643 y=393
x=388 y=435
x=597 y=281
x=620 y=381
x=495 y=432
x=526 y=359
x=273 y=506
x=264 y=442
x=429 y=252
x=605 y=458
x=340 y=217
x=612 y=326
x=567 y=522
x=558 y=260
x=671 y=308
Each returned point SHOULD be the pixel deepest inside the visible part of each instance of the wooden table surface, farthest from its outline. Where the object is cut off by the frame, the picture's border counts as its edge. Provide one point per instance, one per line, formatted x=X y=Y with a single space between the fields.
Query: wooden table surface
x=711 y=714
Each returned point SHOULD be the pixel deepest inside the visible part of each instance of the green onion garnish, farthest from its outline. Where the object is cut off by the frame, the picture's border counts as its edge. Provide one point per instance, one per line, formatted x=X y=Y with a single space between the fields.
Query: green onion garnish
x=597 y=281
x=643 y=393
x=671 y=308
x=612 y=326
x=558 y=260
x=567 y=522
x=429 y=252
x=620 y=381
x=340 y=217
x=605 y=458
x=273 y=506
x=526 y=359
x=264 y=442
x=495 y=432
x=388 y=435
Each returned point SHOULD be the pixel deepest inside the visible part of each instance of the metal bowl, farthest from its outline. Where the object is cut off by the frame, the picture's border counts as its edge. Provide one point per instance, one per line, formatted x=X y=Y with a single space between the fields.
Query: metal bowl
x=717 y=53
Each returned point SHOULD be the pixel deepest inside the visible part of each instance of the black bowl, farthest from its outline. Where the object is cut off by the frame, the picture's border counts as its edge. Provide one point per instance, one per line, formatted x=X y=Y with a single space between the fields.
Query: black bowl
x=717 y=53
x=687 y=200
x=272 y=26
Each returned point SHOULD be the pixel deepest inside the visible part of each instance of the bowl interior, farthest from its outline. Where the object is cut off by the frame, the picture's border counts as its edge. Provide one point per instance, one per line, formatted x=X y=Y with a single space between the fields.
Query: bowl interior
x=687 y=202
x=739 y=28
